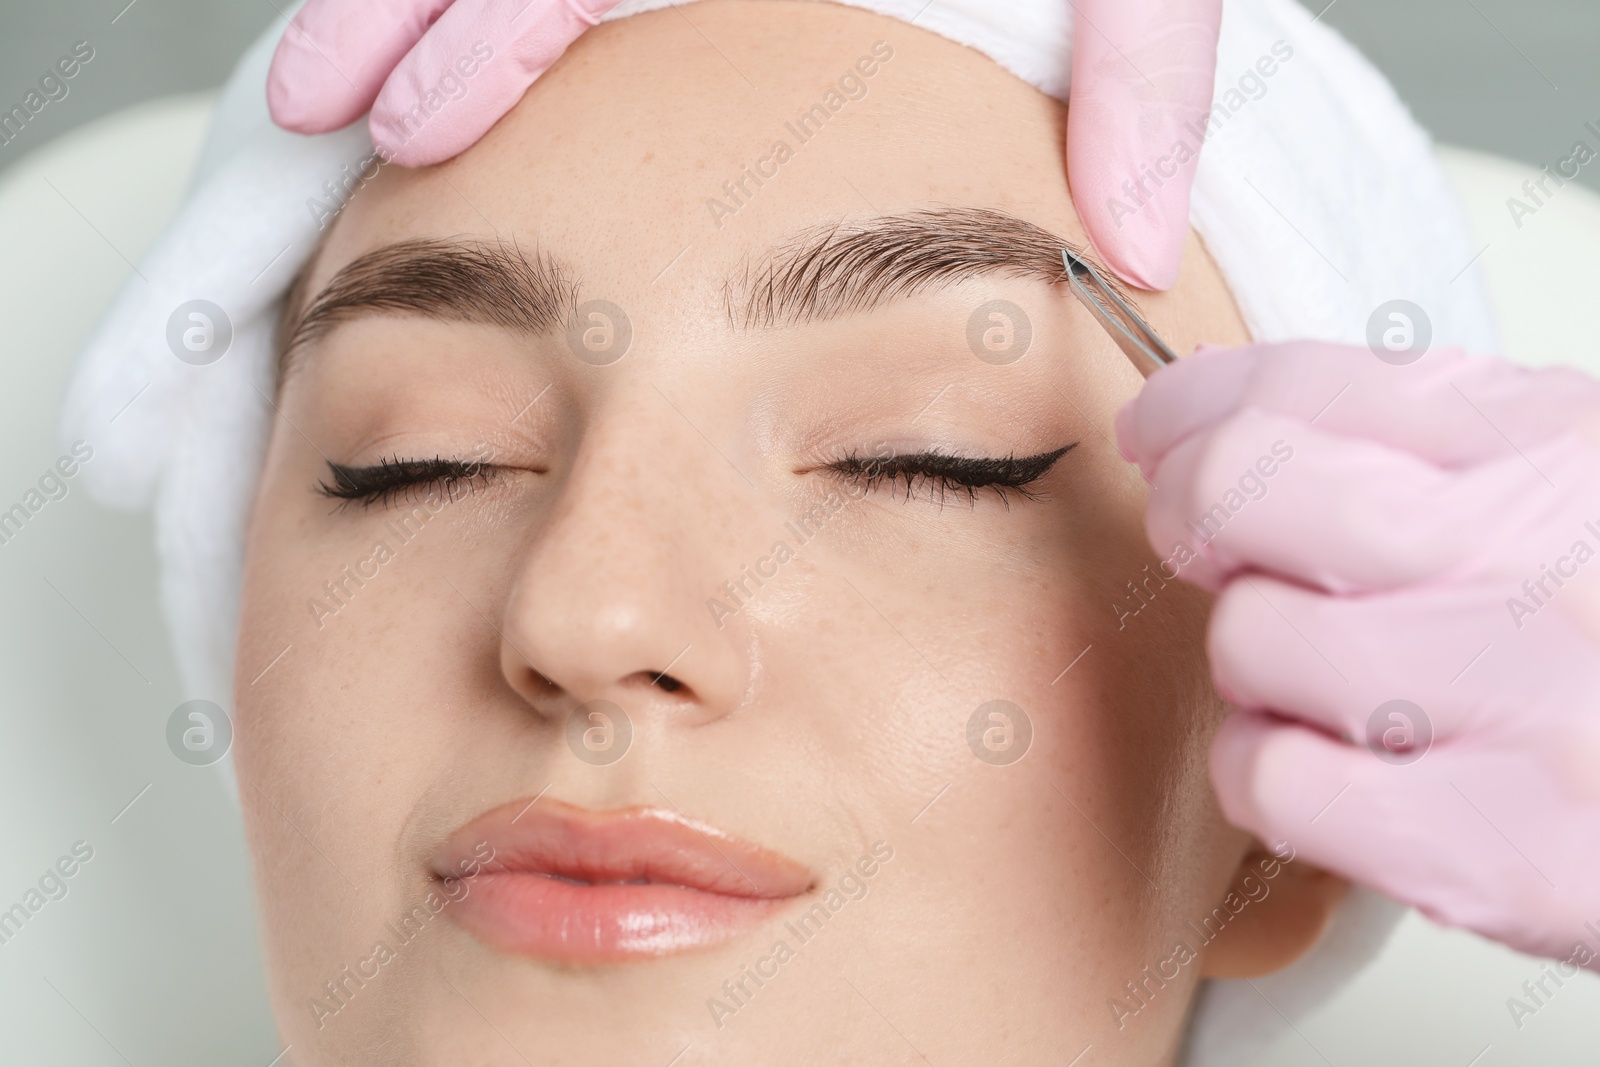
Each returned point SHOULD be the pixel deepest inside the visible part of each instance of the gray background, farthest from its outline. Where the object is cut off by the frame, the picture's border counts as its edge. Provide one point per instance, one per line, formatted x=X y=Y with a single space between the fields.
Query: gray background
x=1515 y=77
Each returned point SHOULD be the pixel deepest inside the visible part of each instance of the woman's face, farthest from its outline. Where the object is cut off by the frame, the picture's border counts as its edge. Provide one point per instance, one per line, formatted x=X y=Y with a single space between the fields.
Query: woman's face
x=698 y=625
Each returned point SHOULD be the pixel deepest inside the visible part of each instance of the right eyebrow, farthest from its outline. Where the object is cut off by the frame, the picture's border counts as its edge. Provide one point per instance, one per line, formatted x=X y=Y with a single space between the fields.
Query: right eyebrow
x=854 y=267
x=487 y=283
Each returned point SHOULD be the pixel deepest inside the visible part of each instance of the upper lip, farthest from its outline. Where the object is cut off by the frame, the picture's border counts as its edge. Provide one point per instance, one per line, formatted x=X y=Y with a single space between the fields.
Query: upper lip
x=637 y=845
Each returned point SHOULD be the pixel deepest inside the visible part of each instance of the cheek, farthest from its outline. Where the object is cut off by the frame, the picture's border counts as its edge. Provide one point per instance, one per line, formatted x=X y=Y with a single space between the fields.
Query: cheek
x=987 y=692
x=283 y=661
x=327 y=748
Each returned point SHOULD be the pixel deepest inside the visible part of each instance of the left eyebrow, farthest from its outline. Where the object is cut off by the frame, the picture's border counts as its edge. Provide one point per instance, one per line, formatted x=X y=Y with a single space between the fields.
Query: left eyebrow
x=828 y=272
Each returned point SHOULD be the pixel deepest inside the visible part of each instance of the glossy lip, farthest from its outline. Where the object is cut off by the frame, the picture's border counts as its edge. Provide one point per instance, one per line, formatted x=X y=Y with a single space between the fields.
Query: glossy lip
x=576 y=886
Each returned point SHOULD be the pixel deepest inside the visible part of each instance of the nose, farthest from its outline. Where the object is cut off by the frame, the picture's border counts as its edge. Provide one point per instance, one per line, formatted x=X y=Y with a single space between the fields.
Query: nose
x=610 y=599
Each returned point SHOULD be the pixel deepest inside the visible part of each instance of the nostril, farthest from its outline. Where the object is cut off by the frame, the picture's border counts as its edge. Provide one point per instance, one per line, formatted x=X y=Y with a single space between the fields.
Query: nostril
x=655 y=680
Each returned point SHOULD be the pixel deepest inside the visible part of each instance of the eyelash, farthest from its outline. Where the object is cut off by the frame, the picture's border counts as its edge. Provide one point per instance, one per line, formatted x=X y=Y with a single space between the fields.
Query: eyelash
x=396 y=478
x=942 y=474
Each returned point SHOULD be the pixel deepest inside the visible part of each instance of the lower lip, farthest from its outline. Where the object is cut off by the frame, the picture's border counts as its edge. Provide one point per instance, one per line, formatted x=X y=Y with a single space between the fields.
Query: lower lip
x=568 y=922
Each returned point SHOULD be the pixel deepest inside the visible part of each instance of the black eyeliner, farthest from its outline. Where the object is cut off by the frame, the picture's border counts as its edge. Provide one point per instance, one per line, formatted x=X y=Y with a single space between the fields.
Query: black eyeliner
x=943 y=472
x=387 y=479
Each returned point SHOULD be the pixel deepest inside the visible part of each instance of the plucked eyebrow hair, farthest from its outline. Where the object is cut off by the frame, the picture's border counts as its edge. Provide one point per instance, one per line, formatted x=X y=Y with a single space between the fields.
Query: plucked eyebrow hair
x=820 y=273
x=849 y=268
x=490 y=283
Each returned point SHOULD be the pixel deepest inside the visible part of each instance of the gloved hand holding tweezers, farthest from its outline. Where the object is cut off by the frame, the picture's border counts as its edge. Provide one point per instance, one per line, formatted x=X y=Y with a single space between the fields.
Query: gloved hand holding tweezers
x=1408 y=617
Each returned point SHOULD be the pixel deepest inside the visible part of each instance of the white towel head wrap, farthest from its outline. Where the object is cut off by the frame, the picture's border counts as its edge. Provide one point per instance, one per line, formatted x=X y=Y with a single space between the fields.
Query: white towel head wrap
x=1317 y=195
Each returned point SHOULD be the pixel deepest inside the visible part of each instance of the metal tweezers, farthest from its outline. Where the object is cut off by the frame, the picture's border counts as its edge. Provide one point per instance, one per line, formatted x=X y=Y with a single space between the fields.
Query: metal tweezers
x=1131 y=333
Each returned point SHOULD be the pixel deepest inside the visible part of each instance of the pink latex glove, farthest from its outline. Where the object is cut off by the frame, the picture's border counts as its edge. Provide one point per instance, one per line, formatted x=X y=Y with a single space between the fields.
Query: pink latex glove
x=1380 y=533
x=437 y=74
x=1142 y=76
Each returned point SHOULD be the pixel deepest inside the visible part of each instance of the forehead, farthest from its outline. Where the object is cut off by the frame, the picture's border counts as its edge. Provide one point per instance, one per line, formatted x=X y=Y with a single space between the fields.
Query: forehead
x=664 y=148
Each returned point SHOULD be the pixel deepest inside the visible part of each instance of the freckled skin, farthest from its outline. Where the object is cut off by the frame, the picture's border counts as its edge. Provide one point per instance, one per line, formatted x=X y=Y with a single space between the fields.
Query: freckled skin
x=827 y=711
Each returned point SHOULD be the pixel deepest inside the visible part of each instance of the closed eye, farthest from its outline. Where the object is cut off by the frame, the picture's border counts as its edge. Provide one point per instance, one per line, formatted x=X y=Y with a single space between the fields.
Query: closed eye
x=941 y=474
x=395 y=478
